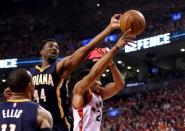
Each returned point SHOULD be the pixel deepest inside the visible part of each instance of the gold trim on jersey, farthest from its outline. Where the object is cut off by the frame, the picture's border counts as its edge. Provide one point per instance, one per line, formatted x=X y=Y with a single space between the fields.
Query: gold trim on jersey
x=60 y=102
x=67 y=123
x=67 y=87
x=59 y=99
x=19 y=100
x=40 y=68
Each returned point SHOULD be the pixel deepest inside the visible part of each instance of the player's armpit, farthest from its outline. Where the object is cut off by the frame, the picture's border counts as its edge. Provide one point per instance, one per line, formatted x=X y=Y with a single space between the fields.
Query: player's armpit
x=44 y=118
x=77 y=101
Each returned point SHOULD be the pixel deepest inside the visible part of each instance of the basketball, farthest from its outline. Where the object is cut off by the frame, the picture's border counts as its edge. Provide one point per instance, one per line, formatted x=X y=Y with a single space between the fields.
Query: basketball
x=133 y=20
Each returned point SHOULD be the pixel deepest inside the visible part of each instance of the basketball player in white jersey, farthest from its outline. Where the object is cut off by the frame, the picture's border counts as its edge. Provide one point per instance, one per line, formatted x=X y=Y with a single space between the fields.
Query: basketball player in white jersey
x=88 y=94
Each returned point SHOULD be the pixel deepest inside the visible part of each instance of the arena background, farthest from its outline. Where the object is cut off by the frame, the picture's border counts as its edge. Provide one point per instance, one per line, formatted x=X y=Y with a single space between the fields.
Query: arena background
x=154 y=96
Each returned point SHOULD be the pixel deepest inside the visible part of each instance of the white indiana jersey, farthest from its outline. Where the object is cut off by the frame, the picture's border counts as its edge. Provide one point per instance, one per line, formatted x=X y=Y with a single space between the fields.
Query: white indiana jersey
x=89 y=117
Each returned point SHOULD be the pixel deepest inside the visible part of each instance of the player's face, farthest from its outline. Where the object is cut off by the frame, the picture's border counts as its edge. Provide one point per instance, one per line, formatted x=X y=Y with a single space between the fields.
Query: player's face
x=50 y=51
x=96 y=85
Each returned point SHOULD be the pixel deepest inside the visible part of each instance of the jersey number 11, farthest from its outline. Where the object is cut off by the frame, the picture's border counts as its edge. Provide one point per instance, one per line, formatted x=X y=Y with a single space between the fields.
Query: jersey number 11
x=11 y=127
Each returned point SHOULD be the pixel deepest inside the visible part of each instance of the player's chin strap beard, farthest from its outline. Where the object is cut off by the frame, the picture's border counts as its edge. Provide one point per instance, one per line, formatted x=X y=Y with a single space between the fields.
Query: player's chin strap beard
x=51 y=60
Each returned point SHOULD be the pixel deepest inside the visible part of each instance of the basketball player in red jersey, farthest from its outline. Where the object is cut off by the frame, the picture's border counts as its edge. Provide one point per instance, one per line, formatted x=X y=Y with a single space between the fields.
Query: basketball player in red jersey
x=51 y=77
x=88 y=94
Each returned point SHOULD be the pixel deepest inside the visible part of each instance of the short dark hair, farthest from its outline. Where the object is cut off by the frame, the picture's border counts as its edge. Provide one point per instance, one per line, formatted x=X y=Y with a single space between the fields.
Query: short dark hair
x=18 y=80
x=83 y=73
x=43 y=42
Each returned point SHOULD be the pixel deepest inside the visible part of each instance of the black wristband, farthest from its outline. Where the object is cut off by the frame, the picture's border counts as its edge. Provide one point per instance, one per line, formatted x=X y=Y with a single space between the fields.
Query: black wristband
x=45 y=129
x=117 y=47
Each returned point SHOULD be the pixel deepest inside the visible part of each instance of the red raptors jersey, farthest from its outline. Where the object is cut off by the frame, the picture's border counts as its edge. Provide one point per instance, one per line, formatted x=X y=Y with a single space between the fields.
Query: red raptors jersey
x=89 y=117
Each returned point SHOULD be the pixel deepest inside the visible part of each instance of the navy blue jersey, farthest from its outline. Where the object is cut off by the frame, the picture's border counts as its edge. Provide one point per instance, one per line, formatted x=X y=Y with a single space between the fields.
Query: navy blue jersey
x=51 y=92
x=18 y=115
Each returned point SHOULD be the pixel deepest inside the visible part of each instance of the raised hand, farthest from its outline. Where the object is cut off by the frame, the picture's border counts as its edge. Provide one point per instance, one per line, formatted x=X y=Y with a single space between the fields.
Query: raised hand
x=124 y=39
x=115 y=21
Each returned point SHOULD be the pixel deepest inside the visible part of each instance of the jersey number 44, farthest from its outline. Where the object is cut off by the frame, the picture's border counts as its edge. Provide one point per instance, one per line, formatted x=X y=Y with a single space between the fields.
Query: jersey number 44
x=41 y=96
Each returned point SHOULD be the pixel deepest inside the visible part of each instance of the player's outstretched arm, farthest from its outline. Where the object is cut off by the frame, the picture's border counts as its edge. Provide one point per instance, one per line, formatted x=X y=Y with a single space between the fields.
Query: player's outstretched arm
x=74 y=60
x=44 y=119
x=101 y=65
x=83 y=86
x=113 y=88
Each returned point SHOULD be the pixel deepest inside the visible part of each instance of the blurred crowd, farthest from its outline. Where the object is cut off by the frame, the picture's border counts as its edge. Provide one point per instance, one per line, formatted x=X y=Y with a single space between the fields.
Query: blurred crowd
x=160 y=76
x=23 y=29
x=161 y=110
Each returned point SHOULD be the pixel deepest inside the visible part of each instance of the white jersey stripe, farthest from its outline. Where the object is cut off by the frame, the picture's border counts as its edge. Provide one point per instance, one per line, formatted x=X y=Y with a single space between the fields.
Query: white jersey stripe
x=80 y=113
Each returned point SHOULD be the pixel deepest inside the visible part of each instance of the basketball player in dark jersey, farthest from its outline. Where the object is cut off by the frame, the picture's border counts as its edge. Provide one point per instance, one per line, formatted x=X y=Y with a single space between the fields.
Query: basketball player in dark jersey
x=19 y=113
x=51 y=77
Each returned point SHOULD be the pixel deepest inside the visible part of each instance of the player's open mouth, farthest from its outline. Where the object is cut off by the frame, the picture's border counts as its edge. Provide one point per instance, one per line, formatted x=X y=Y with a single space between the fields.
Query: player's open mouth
x=54 y=53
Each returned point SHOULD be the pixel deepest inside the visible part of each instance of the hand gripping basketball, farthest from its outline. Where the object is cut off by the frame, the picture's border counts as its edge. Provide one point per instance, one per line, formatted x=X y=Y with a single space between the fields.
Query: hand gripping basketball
x=124 y=39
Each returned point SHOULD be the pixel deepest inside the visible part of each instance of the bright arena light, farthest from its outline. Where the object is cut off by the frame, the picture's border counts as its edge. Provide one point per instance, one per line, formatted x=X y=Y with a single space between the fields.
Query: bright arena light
x=107 y=70
x=137 y=70
x=3 y=80
x=120 y=62
x=182 y=49
x=104 y=75
x=128 y=67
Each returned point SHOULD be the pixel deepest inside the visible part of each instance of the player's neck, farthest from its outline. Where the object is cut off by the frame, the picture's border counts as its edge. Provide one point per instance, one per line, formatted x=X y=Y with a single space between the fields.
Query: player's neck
x=18 y=96
x=45 y=64
x=89 y=93
x=97 y=91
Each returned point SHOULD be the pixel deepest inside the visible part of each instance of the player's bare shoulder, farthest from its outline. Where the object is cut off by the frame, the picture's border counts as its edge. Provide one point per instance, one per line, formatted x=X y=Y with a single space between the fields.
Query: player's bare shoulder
x=44 y=118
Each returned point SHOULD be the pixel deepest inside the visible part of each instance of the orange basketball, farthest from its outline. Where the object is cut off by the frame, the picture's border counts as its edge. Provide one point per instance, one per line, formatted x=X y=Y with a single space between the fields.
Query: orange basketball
x=133 y=20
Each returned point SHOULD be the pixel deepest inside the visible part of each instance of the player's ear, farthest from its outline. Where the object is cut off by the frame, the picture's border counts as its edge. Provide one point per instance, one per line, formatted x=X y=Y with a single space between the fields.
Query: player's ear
x=7 y=93
x=41 y=52
x=31 y=86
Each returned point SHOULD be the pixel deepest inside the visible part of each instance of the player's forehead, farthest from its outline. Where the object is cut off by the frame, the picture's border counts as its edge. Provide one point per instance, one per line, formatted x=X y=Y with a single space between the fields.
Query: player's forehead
x=51 y=43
